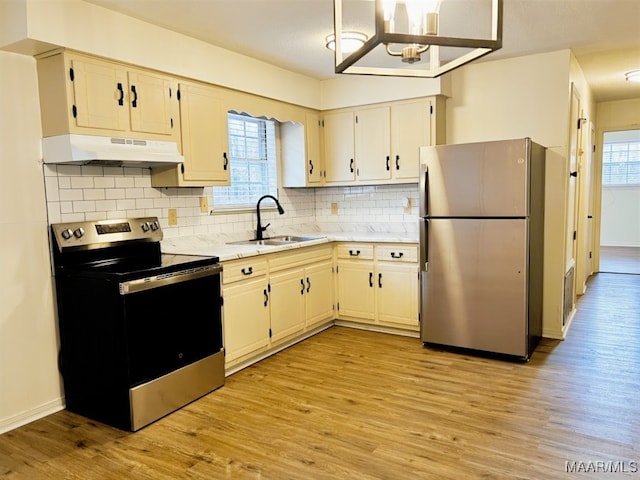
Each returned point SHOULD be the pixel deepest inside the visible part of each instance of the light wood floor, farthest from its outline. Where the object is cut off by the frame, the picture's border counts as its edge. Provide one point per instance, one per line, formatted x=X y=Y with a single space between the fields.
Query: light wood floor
x=349 y=404
x=620 y=259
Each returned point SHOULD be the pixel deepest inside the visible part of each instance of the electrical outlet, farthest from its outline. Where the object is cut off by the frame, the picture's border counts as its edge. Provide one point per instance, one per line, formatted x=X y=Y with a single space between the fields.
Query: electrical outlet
x=204 y=205
x=334 y=209
x=173 y=216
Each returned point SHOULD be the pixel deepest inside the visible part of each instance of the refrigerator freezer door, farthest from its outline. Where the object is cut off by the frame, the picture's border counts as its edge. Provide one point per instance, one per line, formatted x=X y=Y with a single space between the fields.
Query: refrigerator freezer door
x=475 y=179
x=474 y=293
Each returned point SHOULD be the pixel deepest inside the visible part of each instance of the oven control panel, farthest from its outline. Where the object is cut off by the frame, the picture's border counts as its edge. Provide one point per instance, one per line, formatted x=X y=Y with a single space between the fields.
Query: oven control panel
x=101 y=233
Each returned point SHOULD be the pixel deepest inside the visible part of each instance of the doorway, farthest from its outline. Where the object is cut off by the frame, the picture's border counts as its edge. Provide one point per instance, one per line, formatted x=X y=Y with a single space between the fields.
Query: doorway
x=620 y=217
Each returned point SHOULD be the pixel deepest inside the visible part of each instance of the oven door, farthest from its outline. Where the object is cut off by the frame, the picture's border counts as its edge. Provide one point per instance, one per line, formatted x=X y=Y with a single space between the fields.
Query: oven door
x=171 y=320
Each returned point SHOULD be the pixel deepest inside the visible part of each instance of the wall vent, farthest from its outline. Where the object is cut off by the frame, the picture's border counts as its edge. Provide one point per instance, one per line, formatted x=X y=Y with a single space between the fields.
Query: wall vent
x=569 y=295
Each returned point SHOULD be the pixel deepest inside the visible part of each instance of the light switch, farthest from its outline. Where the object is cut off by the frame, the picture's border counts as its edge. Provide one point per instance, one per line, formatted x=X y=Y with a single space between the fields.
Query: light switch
x=334 y=209
x=173 y=216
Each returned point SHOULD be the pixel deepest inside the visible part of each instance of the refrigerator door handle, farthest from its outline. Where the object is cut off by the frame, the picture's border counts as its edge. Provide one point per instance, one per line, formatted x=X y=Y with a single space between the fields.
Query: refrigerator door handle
x=424 y=244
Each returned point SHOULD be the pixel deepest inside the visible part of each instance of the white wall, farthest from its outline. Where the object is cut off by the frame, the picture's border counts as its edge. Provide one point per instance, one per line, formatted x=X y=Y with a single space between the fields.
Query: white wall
x=29 y=381
x=512 y=98
x=620 y=206
x=620 y=216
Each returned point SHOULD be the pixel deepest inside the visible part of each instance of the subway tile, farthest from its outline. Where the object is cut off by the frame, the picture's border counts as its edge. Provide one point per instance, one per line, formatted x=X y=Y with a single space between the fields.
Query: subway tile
x=70 y=195
x=104 y=182
x=94 y=194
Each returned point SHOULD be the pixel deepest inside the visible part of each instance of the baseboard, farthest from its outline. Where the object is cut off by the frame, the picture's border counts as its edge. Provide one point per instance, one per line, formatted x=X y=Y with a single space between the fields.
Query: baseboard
x=31 y=415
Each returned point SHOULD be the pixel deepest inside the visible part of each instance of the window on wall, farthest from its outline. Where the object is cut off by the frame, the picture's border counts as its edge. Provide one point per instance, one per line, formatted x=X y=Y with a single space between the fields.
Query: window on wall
x=252 y=163
x=621 y=158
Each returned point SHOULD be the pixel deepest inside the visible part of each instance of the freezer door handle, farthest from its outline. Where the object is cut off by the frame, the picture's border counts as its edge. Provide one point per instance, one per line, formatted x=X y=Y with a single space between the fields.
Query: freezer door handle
x=424 y=190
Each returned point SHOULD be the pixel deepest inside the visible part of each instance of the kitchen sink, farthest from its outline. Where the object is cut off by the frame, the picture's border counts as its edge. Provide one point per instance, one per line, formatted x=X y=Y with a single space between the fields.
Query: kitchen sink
x=277 y=240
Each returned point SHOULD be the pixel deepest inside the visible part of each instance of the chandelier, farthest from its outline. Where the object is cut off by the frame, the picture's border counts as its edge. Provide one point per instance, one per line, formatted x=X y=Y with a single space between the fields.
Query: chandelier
x=407 y=40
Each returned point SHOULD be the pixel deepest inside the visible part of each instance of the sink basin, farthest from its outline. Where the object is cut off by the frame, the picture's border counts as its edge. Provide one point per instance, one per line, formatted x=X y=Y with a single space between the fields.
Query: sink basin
x=277 y=240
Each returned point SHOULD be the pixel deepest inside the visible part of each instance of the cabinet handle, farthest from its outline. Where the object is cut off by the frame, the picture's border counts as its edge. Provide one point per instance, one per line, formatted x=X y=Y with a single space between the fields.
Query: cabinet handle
x=397 y=162
x=302 y=285
x=266 y=298
x=388 y=167
x=351 y=166
x=121 y=90
x=225 y=164
x=379 y=280
x=310 y=167
x=371 y=279
x=394 y=255
x=247 y=271
x=134 y=102
x=354 y=254
x=308 y=285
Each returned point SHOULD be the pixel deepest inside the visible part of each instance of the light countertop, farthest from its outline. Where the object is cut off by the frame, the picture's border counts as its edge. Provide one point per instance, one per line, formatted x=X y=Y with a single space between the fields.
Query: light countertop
x=218 y=245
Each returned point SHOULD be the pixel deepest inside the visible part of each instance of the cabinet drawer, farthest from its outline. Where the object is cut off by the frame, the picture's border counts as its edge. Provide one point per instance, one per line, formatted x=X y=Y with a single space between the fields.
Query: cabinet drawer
x=299 y=256
x=237 y=270
x=355 y=251
x=397 y=253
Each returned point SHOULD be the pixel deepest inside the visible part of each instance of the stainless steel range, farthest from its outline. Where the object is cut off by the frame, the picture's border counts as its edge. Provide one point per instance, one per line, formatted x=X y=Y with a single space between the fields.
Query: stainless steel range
x=140 y=331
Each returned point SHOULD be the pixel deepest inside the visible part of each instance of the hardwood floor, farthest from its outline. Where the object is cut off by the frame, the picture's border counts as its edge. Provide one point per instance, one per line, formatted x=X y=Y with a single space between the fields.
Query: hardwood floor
x=620 y=259
x=351 y=404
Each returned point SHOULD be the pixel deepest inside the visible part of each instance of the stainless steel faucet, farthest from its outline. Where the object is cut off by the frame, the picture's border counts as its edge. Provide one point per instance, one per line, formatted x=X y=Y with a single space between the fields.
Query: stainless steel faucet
x=259 y=227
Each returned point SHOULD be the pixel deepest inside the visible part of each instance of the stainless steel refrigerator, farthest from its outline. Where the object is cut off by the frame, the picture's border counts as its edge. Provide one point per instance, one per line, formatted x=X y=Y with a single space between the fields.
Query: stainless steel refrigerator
x=481 y=246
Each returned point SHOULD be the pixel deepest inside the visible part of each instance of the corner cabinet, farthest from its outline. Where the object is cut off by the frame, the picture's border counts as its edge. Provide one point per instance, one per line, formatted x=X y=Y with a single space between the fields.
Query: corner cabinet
x=87 y=95
x=378 y=284
x=203 y=121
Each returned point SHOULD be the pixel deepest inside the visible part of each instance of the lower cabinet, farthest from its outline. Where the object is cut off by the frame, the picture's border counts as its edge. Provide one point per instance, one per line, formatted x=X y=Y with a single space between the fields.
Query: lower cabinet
x=273 y=298
x=245 y=307
x=379 y=284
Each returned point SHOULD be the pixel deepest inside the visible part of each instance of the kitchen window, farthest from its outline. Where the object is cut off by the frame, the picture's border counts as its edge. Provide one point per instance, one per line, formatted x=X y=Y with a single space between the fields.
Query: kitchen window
x=252 y=163
x=621 y=158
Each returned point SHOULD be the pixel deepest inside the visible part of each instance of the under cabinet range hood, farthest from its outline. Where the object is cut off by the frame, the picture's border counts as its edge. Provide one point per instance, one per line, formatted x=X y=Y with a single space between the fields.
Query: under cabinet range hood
x=109 y=151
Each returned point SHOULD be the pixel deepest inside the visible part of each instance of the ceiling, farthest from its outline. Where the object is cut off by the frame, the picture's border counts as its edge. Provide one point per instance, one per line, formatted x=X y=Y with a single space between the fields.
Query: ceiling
x=603 y=34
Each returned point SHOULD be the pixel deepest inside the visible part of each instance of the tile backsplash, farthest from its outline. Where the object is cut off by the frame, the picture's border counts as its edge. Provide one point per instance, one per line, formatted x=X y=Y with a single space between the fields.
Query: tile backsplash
x=76 y=193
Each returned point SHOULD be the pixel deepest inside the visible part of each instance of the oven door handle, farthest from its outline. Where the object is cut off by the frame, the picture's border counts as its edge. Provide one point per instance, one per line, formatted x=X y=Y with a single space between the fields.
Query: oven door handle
x=147 y=283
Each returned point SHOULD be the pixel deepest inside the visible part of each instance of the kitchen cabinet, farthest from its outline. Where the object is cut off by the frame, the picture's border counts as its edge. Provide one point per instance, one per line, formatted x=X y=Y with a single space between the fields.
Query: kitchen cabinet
x=245 y=309
x=302 y=291
x=339 y=148
x=379 y=144
x=274 y=298
x=315 y=160
x=378 y=284
x=86 y=95
x=302 y=159
x=203 y=120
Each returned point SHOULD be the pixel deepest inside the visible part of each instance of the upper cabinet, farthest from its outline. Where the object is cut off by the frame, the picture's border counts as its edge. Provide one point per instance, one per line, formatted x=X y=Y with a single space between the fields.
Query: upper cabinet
x=86 y=95
x=380 y=144
x=302 y=159
x=339 y=147
x=203 y=122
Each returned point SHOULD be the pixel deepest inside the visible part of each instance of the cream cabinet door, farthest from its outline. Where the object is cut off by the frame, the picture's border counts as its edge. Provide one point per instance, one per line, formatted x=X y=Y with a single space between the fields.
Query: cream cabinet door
x=319 y=295
x=287 y=303
x=356 y=290
x=373 y=144
x=100 y=95
x=397 y=294
x=315 y=163
x=339 y=155
x=153 y=104
x=204 y=134
x=410 y=130
x=246 y=317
